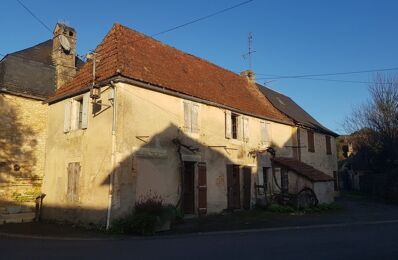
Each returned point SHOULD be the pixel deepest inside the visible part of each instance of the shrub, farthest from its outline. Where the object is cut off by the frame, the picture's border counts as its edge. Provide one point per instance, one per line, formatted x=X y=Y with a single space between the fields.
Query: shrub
x=149 y=212
x=274 y=207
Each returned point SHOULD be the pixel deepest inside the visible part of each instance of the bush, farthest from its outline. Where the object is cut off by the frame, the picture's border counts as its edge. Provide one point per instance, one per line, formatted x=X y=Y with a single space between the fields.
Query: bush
x=274 y=207
x=149 y=212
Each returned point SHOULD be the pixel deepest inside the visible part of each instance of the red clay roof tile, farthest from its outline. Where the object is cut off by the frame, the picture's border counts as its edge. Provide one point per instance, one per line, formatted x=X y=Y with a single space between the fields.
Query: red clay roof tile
x=133 y=55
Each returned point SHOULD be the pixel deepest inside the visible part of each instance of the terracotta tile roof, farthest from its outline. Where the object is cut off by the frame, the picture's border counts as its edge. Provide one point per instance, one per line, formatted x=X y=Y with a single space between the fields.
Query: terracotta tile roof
x=130 y=54
x=303 y=169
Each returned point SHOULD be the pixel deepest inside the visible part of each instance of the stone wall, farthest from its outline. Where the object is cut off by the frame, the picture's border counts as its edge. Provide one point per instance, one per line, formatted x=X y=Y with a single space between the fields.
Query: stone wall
x=22 y=154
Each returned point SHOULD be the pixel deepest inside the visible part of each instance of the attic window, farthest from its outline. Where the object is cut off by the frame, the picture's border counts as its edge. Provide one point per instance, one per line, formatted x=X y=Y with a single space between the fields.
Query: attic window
x=71 y=34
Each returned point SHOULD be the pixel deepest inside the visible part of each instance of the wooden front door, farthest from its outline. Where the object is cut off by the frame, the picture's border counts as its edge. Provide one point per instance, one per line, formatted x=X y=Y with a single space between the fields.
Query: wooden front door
x=247 y=185
x=189 y=190
x=233 y=185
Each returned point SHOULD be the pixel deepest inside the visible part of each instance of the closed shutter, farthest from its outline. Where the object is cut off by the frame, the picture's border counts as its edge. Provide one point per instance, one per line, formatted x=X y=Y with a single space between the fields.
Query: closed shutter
x=195 y=118
x=268 y=132
x=86 y=100
x=202 y=189
x=247 y=177
x=67 y=115
x=328 y=145
x=230 y=200
x=311 y=143
x=262 y=130
x=245 y=121
x=73 y=182
x=187 y=116
x=228 y=127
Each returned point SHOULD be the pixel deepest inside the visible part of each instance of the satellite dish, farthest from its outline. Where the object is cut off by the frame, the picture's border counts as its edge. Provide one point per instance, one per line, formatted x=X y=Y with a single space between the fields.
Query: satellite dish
x=64 y=43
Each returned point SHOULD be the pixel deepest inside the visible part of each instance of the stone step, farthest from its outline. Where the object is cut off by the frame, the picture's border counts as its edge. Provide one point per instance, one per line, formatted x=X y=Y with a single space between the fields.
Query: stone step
x=17 y=218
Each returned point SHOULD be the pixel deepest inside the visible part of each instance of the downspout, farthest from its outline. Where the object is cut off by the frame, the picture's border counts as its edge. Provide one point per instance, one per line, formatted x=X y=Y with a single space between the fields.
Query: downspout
x=113 y=157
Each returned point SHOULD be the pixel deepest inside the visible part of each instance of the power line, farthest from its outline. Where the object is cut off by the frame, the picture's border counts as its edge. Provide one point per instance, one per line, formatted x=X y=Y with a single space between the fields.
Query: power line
x=272 y=76
x=202 y=18
x=331 y=80
x=34 y=16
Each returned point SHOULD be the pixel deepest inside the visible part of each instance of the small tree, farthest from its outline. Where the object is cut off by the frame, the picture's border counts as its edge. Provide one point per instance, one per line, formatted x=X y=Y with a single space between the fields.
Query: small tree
x=375 y=123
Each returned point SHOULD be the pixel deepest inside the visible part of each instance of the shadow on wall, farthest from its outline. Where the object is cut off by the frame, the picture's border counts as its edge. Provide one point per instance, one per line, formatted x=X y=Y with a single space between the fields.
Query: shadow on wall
x=175 y=165
x=17 y=159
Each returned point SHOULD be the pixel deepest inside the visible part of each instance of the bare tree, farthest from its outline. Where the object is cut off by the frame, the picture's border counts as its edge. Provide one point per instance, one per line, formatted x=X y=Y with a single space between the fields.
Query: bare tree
x=375 y=124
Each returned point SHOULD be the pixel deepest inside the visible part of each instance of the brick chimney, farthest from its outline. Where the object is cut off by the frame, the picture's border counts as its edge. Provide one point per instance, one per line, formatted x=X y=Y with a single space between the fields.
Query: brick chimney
x=249 y=75
x=64 y=54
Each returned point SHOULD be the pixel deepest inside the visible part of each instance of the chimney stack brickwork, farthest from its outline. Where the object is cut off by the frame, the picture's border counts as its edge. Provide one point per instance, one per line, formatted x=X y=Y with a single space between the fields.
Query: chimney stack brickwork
x=63 y=60
x=249 y=75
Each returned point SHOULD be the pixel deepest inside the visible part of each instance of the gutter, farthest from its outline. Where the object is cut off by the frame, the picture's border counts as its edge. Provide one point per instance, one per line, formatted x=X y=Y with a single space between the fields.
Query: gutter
x=123 y=79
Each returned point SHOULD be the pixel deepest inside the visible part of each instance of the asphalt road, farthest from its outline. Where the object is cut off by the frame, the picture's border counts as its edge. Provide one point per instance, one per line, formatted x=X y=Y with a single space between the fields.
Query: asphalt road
x=359 y=241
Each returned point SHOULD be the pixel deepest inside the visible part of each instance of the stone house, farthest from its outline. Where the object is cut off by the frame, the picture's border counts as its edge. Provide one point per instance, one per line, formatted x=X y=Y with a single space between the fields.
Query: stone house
x=314 y=145
x=27 y=78
x=143 y=117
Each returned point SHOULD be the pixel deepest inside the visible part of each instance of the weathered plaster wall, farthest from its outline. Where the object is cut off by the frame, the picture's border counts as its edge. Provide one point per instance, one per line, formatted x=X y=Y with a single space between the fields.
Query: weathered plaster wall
x=92 y=148
x=22 y=154
x=148 y=121
x=326 y=163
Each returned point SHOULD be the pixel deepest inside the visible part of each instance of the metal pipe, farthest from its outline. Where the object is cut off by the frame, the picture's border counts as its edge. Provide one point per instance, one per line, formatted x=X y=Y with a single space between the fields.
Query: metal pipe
x=113 y=158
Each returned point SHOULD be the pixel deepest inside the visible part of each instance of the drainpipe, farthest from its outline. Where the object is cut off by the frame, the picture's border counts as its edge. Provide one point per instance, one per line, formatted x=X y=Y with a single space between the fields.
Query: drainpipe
x=113 y=157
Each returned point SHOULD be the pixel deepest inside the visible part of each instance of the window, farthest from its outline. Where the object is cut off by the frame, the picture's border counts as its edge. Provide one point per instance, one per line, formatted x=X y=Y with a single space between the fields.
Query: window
x=76 y=113
x=236 y=126
x=328 y=145
x=234 y=123
x=191 y=111
x=311 y=143
x=265 y=132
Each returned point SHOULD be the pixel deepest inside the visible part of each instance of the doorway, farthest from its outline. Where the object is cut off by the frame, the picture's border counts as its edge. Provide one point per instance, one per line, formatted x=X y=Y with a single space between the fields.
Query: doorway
x=189 y=188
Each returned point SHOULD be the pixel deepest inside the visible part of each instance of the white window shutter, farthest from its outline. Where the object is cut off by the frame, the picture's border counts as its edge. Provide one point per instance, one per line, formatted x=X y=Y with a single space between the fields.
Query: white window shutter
x=228 y=125
x=67 y=115
x=263 y=132
x=245 y=121
x=86 y=100
x=268 y=132
x=195 y=118
x=187 y=116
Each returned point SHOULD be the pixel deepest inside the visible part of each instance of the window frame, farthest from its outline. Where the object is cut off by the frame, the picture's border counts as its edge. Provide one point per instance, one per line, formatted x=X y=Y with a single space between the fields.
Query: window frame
x=328 y=145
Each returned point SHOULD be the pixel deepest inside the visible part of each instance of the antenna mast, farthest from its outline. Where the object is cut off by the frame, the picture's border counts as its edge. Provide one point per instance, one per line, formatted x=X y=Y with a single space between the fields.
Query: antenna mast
x=250 y=50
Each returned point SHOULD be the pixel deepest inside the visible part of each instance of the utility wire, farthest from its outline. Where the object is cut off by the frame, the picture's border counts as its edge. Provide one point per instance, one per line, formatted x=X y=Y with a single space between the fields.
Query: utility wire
x=34 y=16
x=323 y=74
x=331 y=80
x=202 y=18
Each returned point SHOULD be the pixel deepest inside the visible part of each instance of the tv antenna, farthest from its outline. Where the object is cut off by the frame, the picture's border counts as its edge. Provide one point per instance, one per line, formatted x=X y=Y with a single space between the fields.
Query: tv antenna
x=248 y=55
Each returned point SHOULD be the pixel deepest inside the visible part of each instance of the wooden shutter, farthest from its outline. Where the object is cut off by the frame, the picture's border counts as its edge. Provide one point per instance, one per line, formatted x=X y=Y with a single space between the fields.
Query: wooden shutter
x=187 y=116
x=228 y=125
x=229 y=186
x=311 y=145
x=73 y=182
x=268 y=132
x=86 y=100
x=195 y=118
x=247 y=177
x=67 y=114
x=245 y=121
x=328 y=145
x=202 y=189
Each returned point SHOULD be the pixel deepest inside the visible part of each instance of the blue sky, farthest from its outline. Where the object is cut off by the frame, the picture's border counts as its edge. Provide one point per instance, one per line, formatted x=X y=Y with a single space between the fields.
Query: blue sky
x=289 y=37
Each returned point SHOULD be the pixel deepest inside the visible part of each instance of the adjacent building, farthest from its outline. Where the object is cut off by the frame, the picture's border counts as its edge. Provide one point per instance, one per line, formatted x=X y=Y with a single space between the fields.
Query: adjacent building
x=27 y=78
